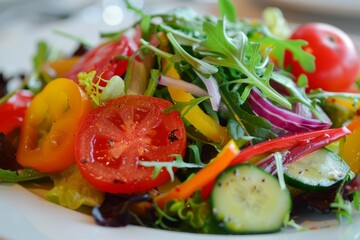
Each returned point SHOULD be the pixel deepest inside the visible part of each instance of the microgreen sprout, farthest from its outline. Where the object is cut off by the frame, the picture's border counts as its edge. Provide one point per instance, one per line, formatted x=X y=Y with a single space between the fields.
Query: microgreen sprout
x=114 y=87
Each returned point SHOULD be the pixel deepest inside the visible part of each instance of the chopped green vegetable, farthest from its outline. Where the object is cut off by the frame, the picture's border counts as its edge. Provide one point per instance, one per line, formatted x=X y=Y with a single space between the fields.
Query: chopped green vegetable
x=21 y=175
x=114 y=87
x=221 y=50
x=71 y=190
x=228 y=10
x=178 y=163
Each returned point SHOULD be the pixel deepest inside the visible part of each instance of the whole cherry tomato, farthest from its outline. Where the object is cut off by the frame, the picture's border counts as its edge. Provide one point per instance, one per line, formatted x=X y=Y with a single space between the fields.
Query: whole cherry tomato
x=114 y=137
x=337 y=62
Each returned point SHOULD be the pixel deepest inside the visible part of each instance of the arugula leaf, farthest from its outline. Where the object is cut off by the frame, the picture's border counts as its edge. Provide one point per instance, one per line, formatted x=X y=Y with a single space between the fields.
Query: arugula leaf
x=342 y=208
x=320 y=94
x=180 y=37
x=21 y=175
x=196 y=154
x=228 y=9
x=153 y=82
x=306 y=60
x=297 y=93
x=237 y=133
x=74 y=37
x=132 y=7
x=178 y=163
x=185 y=107
x=221 y=50
x=180 y=53
x=253 y=126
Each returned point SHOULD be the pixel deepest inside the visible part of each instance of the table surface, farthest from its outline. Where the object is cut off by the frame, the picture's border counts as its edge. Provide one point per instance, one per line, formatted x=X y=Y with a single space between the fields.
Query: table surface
x=24 y=23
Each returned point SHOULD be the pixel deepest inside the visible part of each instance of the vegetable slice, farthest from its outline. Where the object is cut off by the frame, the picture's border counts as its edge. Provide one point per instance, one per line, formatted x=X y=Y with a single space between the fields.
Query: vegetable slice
x=317 y=171
x=48 y=134
x=200 y=120
x=283 y=118
x=115 y=137
x=203 y=177
x=246 y=199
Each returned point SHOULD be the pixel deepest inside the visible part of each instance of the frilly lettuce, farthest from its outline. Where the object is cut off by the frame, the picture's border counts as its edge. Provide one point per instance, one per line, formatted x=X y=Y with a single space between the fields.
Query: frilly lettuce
x=191 y=214
x=71 y=190
x=99 y=94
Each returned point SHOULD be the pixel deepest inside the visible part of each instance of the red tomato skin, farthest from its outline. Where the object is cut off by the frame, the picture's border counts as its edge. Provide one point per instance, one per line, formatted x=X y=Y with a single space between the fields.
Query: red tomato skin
x=102 y=60
x=337 y=62
x=114 y=137
x=13 y=111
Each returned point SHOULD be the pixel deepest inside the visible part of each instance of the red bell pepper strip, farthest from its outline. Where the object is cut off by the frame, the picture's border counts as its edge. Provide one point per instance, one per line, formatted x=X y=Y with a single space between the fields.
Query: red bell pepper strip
x=300 y=151
x=305 y=142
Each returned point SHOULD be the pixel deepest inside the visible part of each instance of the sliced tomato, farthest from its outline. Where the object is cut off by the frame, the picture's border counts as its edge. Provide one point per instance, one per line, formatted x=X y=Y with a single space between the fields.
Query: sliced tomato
x=116 y=136
x=105 y=59
x=48 y=133
x=12 y=112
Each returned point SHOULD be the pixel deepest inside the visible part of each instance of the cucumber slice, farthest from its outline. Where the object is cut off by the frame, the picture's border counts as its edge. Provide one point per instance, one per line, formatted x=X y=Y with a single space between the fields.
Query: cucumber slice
x=317 y=171
x=246 y=199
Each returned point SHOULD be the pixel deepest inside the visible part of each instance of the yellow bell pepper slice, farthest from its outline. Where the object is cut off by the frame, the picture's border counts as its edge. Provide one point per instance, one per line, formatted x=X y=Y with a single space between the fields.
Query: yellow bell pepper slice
x=349 y=147
x=196 y=116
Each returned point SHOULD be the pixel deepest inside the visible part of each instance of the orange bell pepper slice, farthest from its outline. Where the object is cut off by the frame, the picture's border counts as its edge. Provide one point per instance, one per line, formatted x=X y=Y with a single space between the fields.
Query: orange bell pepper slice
x=47 y=136
x=349 y=147
x=203 y=177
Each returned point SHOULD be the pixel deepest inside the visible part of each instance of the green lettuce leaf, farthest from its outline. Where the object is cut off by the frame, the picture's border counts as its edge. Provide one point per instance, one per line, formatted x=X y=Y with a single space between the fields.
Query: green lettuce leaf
x=71 y=190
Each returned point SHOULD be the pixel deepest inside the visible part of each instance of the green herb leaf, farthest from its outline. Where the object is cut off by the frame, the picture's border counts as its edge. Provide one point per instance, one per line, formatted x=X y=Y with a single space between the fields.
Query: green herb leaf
x=306 y=60
x=132 y=7
x=178 y=163
x=185 y=107
x=74 y=37
x=180 y=53
x=342 y=208
x=25 y=174
x=258 y=128
x=196 y=154
x=153 y=82
x=297 y=93
x=238 y=53
x=228 y=10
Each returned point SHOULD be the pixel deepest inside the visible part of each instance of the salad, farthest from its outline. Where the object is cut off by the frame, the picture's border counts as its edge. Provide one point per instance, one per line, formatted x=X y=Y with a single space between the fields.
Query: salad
x=183 y=122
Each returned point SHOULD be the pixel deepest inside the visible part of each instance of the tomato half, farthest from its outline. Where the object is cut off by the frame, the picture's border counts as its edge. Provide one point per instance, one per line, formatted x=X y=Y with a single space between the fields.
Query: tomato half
x=337 y=62
x=103 y=59
x=116 y=136
x=48 y=133
x=12 y=112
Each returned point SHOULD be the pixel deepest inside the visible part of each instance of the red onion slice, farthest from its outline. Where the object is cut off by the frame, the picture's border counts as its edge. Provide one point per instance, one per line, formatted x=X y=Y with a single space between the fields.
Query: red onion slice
x=183 y=85
x=283 y=118
x=213 y=90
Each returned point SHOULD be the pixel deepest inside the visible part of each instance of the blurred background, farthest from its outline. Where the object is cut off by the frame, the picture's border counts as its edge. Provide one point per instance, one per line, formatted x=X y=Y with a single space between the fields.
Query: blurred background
x=24 y=22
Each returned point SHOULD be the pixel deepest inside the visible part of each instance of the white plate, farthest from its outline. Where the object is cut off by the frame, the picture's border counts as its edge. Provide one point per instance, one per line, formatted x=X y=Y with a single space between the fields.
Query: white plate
x=348 y=8
x=25 y=215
